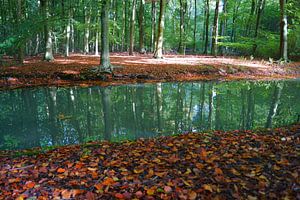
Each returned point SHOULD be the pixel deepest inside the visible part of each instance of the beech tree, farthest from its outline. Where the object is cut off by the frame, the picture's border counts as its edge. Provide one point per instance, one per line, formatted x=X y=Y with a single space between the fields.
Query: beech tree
x=160 y=33
x=283 y=31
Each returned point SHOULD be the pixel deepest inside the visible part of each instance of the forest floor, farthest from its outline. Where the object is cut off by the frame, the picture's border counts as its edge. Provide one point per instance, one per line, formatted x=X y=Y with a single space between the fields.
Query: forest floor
x=260 y=164
x=75 y=70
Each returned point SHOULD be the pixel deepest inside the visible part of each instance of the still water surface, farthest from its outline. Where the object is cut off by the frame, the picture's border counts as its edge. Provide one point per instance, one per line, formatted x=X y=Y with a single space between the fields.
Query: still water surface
x=49 y=116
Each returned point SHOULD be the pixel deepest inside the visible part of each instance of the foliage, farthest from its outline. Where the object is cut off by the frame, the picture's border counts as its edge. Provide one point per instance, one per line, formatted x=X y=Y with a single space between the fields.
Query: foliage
x=236 y=164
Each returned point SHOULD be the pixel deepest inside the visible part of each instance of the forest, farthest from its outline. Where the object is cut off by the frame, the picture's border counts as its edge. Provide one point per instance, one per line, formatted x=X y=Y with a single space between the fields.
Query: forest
x=256 y=28
x=149 y=99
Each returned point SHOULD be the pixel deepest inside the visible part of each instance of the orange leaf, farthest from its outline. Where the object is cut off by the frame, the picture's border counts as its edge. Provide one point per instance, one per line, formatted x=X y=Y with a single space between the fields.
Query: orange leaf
x=218 y=171
x=29 y=184
x=150 y=191
x=119 y=196
x=61 y=170
x=192 y=195
x=203 y=154
x=208 y=187
x=108 y=181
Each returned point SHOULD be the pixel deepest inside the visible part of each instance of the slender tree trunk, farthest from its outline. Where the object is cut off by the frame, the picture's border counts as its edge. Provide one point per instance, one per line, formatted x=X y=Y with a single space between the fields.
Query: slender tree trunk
x=123 y=25
x=132 y=26
x=19 y=21
x=195 y=26
x=283 y=31
x=248 y=26
x=160 y=35
x=68 y=33
x=259 y=13
x=105 y=60
x=206 y=27
x=153 y=27
x=224 y=26
x=87 y=19
x=215 y=30
x=141 y=26
x=183 y=7
x=48 y=36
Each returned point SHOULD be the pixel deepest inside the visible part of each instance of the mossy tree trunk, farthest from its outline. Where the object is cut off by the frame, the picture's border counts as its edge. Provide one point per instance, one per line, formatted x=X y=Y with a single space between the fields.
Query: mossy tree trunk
x=160 y=35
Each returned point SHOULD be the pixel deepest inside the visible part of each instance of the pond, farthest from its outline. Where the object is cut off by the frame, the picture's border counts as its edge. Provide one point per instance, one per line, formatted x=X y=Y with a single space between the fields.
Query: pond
x=47 y=116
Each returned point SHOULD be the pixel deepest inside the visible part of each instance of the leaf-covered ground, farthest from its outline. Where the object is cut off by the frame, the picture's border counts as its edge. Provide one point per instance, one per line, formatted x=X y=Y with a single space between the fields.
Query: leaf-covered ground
x=139 y=68
x=261 y=164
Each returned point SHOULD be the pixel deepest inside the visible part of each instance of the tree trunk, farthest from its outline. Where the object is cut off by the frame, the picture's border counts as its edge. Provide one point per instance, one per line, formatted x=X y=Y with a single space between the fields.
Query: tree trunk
x=283 y=31
x=248 y=26
x=48 y=38
x=259 y=13
x=215 y=30
x=224 y=25
x=195 y=26
x=153 y=27
x=68 y=33
x=132 y=26
x=160 y=35
x=105 y=60
x=21 y=44
x=87 y=19
x=123 y=25
x=141 y=26
x=206 y=26
x=183 y=7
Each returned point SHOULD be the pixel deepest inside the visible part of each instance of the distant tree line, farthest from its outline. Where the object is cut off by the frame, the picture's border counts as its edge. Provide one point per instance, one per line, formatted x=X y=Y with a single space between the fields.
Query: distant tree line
x=235 y=27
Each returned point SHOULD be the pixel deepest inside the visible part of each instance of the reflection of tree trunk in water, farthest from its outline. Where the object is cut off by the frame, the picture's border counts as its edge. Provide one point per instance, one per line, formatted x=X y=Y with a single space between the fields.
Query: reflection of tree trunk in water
x=135 y=122
x=140 y=111
x=159 y=105
x=210 y=106
x=31 y=108
x=178 y=107
x=218 y=124
x=274 y=104
x=189 y=117
x=202 y=105
x=250 y=111
x=89 y=110
x=243 y=110
x=52 y=105
x=74 y=111
x=106 y=105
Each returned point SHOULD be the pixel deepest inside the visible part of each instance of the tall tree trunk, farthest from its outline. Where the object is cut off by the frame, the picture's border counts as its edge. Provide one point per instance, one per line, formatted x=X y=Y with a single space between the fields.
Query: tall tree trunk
x=283 y=31
x=215 y=30
x=153 y=26
x=224 y=25
x=260 y=8
x=123 y=24
x=47 y=30
x=183 y=7
x=105 y=60
x=195 y=26
x=248 y=26
x=206 y=26
x=87 y=21
x=132 y=26
x=141 y=26
x=19 y=22
x=68 y=33
x=160 y=35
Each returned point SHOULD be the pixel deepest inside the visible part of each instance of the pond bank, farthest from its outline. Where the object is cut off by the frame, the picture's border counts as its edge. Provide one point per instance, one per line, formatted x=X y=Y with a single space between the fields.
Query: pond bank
x=260 y=164
x=74 y=70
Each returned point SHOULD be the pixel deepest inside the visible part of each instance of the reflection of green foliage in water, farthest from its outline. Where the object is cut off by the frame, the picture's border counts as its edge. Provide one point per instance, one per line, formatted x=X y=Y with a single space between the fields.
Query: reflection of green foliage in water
x=37 y=117
x=10 y=142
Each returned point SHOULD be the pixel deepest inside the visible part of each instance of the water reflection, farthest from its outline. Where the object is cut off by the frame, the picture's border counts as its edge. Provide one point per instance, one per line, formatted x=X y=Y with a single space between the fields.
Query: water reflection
x=60 y=116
